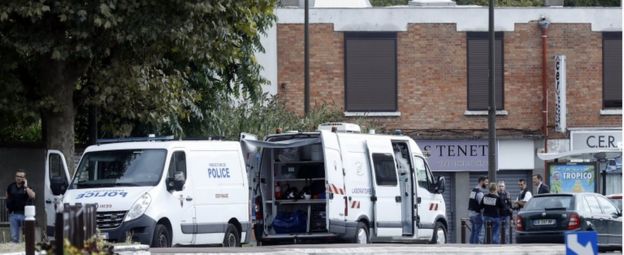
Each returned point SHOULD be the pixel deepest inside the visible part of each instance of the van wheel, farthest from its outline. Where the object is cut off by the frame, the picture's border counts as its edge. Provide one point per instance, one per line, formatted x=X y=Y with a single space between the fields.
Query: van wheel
x=361 y=234
x=232 y=237
x=162 y=237
x=439 y=233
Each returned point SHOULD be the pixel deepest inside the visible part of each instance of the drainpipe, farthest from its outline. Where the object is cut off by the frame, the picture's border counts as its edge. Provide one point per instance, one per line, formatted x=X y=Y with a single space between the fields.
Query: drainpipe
x=543 y=24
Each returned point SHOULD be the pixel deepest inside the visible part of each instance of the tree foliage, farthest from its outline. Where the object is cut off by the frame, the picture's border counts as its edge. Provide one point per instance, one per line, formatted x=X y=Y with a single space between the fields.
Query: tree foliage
x=264 y=116
x=150 y=61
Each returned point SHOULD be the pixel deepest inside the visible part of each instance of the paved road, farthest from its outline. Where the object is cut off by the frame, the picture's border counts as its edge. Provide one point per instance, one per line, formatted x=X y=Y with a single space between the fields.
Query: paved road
x=459 y=249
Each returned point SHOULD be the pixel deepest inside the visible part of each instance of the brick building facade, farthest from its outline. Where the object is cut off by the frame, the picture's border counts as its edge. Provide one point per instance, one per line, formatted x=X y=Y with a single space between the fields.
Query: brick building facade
x=432 y=87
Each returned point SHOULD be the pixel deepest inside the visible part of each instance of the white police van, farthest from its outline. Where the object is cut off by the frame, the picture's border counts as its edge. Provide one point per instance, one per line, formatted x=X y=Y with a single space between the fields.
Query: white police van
x=165 y=193
x=339 y=183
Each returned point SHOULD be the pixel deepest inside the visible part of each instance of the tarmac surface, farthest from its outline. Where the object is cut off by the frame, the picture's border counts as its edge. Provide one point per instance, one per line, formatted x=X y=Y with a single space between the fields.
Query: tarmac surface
x=463 y=249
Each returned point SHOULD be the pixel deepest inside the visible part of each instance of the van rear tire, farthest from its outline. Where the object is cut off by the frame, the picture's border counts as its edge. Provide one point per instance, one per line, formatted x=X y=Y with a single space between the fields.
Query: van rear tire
x=361 y=234
x=439 y=234
x=232 y=237
x=162 y=236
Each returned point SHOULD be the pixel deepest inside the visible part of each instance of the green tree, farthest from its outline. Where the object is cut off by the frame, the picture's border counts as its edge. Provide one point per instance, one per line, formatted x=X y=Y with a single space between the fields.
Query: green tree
x=150 y=61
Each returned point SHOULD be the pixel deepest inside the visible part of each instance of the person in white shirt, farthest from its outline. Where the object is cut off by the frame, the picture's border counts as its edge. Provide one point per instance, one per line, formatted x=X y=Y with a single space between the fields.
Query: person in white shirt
x=524 y=197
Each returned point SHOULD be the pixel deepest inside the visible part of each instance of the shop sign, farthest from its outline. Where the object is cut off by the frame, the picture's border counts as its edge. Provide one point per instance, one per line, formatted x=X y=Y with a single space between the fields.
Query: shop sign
x=560 y=100
x=598 y=139
x=572 y=177
x=456 y=155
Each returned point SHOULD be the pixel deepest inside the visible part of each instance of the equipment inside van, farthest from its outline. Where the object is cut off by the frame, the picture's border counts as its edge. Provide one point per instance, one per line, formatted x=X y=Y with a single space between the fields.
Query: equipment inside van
x=338 y=183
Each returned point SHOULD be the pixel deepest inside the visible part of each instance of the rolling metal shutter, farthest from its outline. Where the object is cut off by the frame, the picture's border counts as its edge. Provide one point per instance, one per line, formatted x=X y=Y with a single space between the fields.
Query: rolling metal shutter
x=478 y=70
x=449 y=200
x=370 y=72
x=612 y=69
x=510 y=177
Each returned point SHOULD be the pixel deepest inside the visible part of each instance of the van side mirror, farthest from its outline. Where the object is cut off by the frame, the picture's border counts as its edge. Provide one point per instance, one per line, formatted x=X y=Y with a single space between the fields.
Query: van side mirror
x=177 y=182
x=58 y=185
x=440 y=185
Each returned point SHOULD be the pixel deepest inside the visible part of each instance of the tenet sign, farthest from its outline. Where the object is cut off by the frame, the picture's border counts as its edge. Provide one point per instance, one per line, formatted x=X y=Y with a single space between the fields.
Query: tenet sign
x=456 y=155
x=599 y=139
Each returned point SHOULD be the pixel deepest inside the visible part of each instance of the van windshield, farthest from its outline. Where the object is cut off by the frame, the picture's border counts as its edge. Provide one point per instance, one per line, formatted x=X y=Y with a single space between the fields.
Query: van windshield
x=120 y=168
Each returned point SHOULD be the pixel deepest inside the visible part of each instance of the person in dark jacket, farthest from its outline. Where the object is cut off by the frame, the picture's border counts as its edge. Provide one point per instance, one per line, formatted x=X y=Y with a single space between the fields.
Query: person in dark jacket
x=507 y=212
x=18 y=195
x=475 y=208
x=492 y=207
x=538 y=181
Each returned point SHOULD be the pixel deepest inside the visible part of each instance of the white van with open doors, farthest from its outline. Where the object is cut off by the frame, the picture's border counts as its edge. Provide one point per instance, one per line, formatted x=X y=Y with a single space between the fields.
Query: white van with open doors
x=339 y=183
x=165 y=193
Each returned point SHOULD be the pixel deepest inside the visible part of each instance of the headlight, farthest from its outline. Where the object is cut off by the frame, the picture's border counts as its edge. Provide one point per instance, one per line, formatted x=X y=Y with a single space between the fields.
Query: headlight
x=139 y=207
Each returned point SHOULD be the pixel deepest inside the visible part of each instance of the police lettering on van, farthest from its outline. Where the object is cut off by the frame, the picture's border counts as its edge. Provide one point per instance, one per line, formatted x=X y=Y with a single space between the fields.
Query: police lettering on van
x=102 y=193
x=218 y=170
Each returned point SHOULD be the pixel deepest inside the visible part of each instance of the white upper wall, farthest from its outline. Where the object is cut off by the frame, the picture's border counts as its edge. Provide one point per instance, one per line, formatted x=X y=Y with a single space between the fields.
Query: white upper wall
x=466 y=18
x=342 y=4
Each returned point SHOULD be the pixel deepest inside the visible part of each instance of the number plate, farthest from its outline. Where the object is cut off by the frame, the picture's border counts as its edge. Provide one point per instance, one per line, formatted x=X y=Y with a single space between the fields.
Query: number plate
x=542 y=222
x=104 y=235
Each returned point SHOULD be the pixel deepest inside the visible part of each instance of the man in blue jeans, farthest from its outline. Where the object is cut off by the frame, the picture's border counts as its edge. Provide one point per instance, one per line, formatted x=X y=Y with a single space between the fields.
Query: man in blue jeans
x=492 y=207
x=474 y=209
x=18 y=195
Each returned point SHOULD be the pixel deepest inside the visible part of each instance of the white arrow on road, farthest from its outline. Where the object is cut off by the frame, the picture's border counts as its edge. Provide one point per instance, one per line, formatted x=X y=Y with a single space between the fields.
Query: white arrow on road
x=575 y=246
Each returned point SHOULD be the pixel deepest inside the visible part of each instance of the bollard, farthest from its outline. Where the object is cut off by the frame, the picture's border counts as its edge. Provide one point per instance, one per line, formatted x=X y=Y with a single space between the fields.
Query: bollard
x=488 y=232
x=511 y=224
x=463 y=230
x=29 y=229
x=502 y=232
x=58 y=234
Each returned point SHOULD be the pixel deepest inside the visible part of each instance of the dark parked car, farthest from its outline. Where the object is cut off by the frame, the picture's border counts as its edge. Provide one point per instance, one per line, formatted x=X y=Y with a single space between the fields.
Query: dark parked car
x=546 y=217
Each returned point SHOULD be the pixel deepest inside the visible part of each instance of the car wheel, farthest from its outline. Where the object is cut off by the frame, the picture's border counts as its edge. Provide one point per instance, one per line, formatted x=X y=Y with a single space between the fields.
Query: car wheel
x=162 y=236
x=439 y=233
x=232 y=237
x=361 y=234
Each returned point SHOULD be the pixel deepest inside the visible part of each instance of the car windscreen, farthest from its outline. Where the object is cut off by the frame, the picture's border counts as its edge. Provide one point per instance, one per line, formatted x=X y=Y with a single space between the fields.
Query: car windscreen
x=139 y=167
x=550 y=202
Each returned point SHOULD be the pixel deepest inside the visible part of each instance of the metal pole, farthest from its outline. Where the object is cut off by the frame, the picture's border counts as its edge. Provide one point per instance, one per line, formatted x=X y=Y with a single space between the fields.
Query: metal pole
x=492 y=101
x=306 y=64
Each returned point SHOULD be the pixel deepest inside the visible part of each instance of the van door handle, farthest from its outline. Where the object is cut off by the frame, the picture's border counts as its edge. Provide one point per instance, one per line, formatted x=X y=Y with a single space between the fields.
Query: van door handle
x=48 y=201
x=189 y=199
x=397 y=199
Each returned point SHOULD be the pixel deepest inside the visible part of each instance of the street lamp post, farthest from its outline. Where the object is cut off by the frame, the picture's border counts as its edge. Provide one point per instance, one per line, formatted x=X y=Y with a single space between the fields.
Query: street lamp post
x=492 y=101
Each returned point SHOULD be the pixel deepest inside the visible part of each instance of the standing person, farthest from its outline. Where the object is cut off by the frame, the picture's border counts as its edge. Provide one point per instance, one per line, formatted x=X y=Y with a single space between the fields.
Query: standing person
x=474 y=209
x=524 y=196
x=18 y=195
x=539 y=182
x=507 y=212
x=492 y=207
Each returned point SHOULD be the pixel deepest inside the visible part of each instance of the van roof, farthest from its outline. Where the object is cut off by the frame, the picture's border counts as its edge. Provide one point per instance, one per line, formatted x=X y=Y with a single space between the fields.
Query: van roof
x=198 y=144
x=273 y=137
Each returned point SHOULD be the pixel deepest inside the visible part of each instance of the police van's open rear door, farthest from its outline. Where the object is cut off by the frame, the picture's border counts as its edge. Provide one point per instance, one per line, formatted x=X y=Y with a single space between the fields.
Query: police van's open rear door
x=386 y=197
x=252 y=167
x=336 y=191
